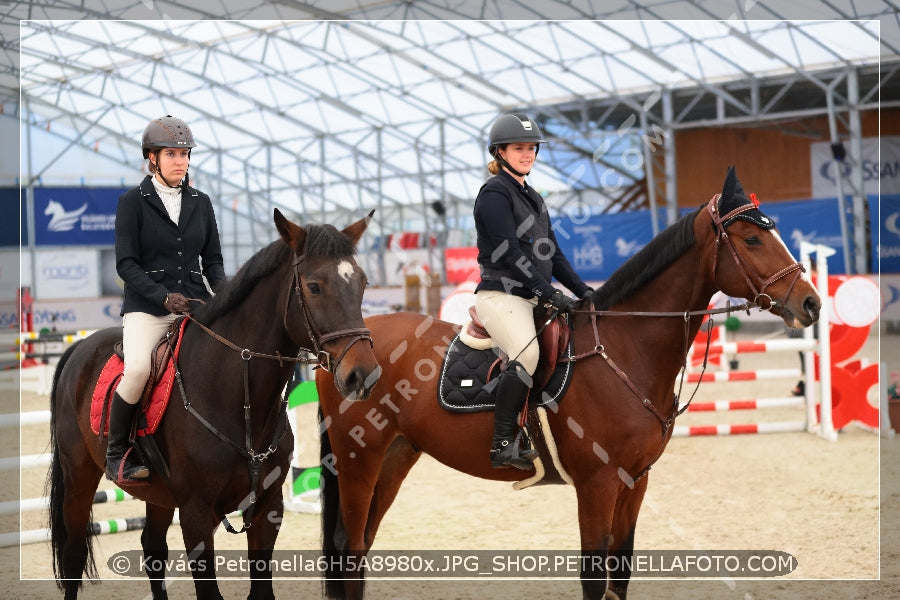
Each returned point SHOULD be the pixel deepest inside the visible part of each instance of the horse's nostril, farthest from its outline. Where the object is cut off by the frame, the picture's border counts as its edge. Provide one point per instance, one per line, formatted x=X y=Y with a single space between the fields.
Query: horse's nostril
x=353 y=383
x=358 y=384
x=812 y=306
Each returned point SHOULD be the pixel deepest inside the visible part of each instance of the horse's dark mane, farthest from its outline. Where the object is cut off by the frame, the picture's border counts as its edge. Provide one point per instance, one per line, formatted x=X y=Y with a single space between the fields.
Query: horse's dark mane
x=322 y=241
x=649 y=262
x=232 y=291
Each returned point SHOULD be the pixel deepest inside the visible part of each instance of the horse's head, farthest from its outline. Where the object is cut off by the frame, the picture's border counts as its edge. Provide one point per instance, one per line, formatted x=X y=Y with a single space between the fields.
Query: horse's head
x=750 y=260
x=325 y=306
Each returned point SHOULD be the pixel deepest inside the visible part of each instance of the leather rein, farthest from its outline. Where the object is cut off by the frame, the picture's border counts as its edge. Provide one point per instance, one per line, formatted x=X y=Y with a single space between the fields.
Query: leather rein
x=761 y=300
x=317 y=356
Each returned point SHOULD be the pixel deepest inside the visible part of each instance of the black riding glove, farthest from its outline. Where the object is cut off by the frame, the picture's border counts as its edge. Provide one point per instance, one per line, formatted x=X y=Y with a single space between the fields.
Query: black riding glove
x=587 y=294
x=175 y=302
x=561 y=302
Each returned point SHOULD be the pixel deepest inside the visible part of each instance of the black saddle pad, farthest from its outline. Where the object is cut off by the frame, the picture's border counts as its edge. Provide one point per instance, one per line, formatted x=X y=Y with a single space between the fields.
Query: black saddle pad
x=464 y=377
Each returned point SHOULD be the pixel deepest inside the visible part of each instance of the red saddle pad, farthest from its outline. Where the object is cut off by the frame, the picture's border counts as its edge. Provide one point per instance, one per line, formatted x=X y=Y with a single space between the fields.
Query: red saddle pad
x=153 y=409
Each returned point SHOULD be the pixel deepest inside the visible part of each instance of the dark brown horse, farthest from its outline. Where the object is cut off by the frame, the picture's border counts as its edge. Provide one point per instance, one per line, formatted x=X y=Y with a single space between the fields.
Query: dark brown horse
x=302 y=291
x=613 y=423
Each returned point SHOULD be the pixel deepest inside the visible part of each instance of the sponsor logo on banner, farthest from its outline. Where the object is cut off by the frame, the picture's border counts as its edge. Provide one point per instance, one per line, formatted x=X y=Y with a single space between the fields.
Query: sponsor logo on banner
x=9 y=319
x=587 y=251
x=112 y=310
x=883 y=169
x=890 y=224
x=889 y=242
x=627 y=247
x=54 y=317
x=76 y=216
x=67 y=315
x=797 y=236
x=60 y=218
x=63 y=220
x=600 y=244
x=67 y=274
x=890 y=293
x=589 y=255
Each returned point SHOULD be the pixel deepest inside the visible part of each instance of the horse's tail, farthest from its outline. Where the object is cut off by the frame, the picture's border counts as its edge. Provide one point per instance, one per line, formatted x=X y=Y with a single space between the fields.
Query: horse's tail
x=333 y=532
x=55 y=489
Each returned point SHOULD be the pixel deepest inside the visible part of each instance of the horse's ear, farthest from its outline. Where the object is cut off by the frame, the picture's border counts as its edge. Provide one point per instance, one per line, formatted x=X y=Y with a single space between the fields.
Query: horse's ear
x=730 y=184
x=294 y=235
x=355 y=231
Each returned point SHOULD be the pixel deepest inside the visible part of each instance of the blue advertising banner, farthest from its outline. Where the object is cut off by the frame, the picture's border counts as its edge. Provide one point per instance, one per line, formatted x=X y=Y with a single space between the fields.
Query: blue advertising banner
x=598 y=245
x=886 y=226
x=75 y=216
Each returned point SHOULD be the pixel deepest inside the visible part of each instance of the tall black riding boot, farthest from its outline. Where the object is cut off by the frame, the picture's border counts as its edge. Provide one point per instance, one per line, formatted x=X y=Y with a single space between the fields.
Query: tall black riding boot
x=120 y=464
x=510 y=396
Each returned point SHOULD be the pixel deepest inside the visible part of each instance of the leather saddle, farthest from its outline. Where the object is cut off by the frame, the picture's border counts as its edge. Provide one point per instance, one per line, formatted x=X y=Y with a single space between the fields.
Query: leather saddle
x=159 y=358
x=473 y=363
x=553 y=335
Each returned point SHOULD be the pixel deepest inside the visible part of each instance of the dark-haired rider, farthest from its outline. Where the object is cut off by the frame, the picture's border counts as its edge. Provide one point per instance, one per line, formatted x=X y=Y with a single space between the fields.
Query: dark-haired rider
x=164 y=228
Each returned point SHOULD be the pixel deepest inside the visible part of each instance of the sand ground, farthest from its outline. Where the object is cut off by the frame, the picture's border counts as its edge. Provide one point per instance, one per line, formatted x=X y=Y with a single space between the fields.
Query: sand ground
x=834 y=506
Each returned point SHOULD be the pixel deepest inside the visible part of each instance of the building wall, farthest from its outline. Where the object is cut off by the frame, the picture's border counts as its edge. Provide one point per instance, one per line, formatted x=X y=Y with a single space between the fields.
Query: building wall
x=773 y=164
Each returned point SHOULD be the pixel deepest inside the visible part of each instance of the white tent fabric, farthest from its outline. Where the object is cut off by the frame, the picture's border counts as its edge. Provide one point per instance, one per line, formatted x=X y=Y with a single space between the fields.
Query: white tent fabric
x=329 y=113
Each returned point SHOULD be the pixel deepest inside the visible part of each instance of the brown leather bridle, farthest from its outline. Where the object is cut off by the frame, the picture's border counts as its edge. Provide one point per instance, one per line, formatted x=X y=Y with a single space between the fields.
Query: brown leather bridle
x=322 y=360
x=759 y=295
x=319 y=339
x=761 y=298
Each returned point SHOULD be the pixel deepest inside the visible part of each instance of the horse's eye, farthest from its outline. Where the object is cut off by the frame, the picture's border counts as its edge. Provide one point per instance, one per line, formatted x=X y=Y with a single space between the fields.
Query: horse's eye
x=753 y=241
x=314 y=288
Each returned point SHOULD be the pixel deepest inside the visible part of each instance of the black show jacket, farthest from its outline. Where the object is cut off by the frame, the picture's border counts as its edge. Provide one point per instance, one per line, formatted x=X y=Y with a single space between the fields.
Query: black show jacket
x=154 y=256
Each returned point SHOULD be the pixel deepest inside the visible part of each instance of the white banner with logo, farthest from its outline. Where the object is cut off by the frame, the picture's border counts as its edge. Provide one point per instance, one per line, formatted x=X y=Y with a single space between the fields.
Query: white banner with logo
x=67 y=316
x=885 y=168
x=66 y=274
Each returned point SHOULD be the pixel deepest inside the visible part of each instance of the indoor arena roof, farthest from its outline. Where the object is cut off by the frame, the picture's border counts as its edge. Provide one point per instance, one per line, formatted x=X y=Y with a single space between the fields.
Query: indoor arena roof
x=333 y=108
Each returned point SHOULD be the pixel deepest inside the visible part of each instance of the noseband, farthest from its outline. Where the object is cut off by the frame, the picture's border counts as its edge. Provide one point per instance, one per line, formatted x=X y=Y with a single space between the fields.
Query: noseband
x=761 y=298
x=319 y=339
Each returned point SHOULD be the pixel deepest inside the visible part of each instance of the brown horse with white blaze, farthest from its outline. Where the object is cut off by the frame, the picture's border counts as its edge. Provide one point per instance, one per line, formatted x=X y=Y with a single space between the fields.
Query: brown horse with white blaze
x=616 y=417
x=225 y=436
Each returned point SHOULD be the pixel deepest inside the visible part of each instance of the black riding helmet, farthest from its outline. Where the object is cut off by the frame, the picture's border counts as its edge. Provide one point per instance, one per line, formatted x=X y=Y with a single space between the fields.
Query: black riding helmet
x=167 y=132
x=513 y=128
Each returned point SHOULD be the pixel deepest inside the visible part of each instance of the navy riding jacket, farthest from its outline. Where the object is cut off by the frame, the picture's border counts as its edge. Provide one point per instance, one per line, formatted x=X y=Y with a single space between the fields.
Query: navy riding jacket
x=517 y=249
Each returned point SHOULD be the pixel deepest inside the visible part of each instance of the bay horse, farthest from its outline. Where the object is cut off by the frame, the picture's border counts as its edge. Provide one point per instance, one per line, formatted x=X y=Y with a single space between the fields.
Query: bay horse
x=224 y=436
x=614 y=421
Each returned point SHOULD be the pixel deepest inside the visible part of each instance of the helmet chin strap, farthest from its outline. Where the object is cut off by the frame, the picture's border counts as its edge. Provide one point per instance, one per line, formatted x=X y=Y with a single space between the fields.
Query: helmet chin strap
x=182 y=183
x=499 y=158
x=509 y=167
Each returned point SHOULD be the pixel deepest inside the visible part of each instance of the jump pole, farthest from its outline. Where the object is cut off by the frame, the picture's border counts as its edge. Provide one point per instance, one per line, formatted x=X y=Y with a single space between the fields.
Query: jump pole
x=737 y=429
x=25 y=461
x=110 y=526
x=34 y=417
x=758 y=375
x=37 y=536
x=31 y=504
